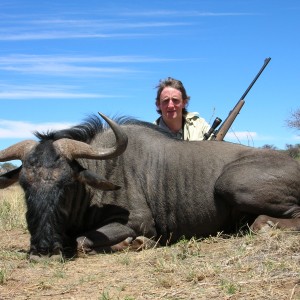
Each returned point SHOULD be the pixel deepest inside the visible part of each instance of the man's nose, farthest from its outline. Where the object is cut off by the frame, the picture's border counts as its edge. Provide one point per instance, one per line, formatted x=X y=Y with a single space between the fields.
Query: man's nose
x=171 y=103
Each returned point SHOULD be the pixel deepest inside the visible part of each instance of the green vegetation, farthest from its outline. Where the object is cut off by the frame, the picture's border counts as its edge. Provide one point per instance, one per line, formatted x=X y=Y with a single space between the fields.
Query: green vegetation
x=2 y=276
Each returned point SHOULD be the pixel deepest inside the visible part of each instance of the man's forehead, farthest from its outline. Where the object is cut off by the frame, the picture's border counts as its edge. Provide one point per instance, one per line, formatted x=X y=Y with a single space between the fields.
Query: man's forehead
x=170 y=92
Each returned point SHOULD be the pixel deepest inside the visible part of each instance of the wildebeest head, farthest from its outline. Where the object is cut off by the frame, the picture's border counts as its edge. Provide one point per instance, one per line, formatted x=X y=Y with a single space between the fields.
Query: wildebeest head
x=51 y=176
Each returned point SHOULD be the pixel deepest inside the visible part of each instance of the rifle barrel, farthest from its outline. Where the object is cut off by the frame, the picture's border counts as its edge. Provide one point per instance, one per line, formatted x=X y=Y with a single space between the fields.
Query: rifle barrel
x=222 y=131
x=267 y=60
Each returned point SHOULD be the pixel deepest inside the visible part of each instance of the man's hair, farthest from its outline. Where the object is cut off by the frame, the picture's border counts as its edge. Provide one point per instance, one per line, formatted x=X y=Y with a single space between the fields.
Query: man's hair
x=174 y=83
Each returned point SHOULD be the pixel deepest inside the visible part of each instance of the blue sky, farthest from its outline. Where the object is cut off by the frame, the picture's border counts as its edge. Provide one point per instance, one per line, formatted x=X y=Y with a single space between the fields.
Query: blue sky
x=63 y=60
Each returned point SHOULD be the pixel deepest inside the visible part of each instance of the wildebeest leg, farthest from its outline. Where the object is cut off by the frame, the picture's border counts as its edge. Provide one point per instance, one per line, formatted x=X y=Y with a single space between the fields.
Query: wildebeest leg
x=142 y=242
x=137 y=244
x=267 y=189
x=111 y=237
x=264 y=222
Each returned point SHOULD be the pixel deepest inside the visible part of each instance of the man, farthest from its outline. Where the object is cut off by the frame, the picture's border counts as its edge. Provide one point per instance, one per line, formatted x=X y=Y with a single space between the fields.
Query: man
x=171 y=103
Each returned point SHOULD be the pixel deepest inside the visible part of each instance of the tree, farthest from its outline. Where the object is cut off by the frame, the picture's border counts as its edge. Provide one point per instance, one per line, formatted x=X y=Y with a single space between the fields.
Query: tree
x=293 y=150
x=294 y=120
x=267 y=146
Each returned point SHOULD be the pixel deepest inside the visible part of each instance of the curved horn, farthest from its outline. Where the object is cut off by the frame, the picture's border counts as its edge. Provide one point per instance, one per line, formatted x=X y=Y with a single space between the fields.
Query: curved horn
x=17 y=151
x=76 y=149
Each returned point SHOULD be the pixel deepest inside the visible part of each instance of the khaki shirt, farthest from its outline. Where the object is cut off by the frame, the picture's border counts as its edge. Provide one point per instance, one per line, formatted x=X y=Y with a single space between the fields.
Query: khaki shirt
x=193 y=130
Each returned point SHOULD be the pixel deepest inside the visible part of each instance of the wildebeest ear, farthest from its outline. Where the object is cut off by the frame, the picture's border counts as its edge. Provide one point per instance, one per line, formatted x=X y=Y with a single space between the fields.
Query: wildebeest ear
x=9 y=178
x=96 y=181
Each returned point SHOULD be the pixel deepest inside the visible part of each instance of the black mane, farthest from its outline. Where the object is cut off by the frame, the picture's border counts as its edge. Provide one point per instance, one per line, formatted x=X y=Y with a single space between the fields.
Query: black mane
x=86 y=131
x=83 y=132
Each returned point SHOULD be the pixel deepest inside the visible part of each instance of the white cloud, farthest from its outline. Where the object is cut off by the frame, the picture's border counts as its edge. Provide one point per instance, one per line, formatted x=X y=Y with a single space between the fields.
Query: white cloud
x=74 y=66
x=242 y=135
x=47 y=95
x=27 y=59
x=296 y=138
x=18 y=129
x=46 y=92
x=116 y=25
x=49 y=29
x=63 y=70
x=64 y=35
x=185 y=13
x=254 y=139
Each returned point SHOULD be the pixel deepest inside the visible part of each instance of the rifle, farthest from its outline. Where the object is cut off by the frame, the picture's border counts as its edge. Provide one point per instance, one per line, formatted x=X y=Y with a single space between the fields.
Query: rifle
x=222 y=131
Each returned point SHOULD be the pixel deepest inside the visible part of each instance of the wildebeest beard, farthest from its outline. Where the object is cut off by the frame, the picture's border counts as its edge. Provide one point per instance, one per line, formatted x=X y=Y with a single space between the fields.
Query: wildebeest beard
x=55 y=218
x=47 y=218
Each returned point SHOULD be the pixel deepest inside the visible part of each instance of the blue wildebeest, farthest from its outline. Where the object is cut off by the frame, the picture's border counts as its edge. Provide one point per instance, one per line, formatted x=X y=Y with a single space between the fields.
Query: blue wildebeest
x=84 y=191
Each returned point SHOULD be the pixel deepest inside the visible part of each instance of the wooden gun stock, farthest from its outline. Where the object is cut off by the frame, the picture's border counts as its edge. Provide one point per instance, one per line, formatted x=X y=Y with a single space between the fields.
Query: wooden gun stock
x=222 y=131
x=229 y=120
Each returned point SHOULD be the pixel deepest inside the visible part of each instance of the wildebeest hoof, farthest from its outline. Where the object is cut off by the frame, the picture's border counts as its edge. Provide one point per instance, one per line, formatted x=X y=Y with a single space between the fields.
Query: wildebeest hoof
x=35 y=258
x=82 y=252
x=266 y=228
x=84 y=246
x=263 y=224
x=142 y=242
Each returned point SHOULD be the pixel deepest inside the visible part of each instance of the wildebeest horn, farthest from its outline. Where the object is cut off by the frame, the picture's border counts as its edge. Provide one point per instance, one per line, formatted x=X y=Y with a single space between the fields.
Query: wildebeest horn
x=76 y=149
x=17 y=151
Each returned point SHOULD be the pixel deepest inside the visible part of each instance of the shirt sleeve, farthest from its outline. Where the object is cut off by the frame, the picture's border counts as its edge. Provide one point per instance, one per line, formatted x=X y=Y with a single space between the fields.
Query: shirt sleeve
x=195 y=128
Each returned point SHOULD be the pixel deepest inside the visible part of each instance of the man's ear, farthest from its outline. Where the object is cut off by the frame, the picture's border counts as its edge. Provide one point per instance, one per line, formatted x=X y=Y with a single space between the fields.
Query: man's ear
x=184 y=102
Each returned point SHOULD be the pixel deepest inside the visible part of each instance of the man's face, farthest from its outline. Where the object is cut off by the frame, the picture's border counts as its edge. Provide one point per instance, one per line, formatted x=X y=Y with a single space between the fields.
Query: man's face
x=171 y=103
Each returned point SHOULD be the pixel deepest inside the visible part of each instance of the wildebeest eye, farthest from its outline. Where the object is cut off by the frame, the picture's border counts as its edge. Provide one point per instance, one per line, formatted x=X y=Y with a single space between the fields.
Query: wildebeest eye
x=31 y=161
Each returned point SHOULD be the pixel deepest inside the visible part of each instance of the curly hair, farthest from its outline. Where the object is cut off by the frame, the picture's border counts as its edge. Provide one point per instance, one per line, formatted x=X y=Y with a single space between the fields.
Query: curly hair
x=174 y=83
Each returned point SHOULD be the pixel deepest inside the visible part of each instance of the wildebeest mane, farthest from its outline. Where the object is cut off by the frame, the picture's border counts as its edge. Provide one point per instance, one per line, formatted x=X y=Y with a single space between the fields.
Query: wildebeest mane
x=150 y=125
x=92 y=125
x=83 y=132
x=88 y=129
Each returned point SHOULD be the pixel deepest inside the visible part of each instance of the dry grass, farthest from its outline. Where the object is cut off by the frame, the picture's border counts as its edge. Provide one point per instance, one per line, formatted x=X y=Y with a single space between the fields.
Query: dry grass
x=262 y=266
x=12 y=208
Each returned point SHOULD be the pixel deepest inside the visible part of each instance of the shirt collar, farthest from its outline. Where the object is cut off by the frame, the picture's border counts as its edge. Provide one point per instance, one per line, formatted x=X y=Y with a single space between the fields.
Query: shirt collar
x=163 y=125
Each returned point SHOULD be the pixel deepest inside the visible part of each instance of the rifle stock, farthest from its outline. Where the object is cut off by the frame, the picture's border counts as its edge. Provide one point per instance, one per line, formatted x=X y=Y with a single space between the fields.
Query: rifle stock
x=229 y=120
x=222 y=131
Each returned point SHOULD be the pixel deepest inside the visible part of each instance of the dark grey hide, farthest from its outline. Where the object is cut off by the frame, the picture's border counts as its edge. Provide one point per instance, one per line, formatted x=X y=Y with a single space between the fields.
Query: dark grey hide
x=160 y=187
